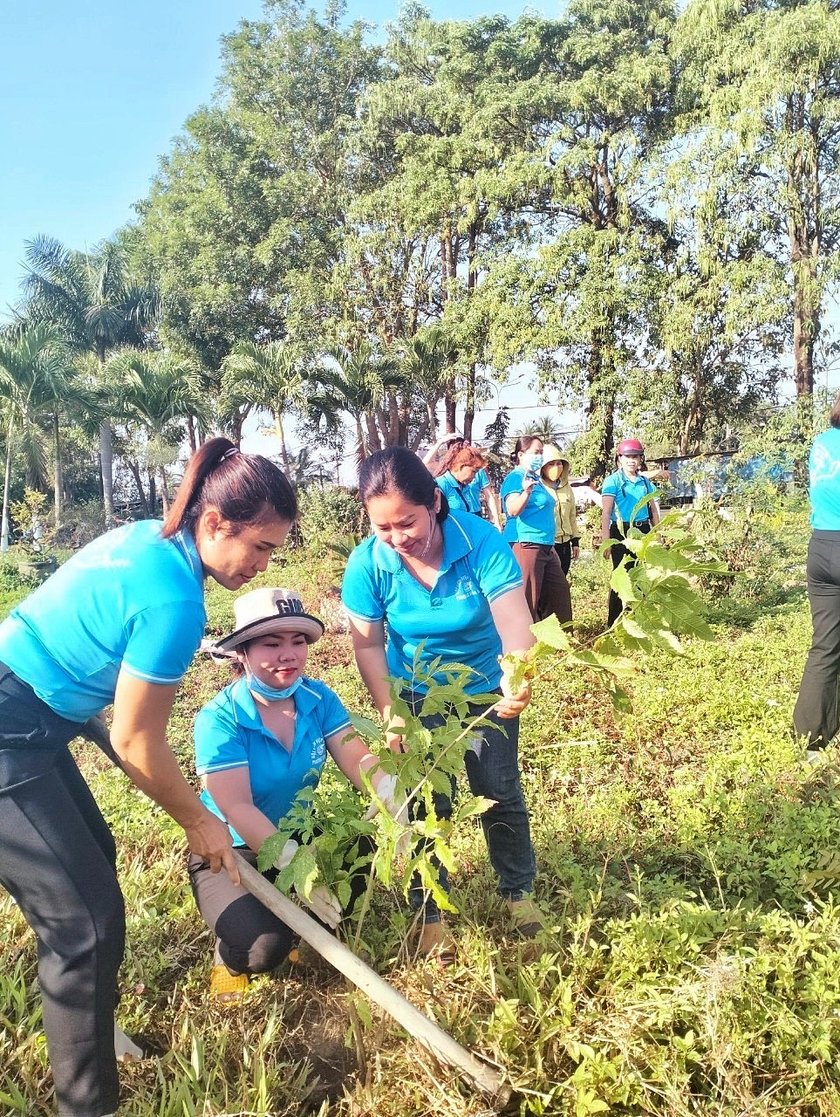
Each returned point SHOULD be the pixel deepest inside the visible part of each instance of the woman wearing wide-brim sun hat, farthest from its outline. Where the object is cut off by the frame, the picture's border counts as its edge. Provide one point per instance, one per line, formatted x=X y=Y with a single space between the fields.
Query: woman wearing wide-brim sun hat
x=621 y=495
x=555 y=477
x=259 y=742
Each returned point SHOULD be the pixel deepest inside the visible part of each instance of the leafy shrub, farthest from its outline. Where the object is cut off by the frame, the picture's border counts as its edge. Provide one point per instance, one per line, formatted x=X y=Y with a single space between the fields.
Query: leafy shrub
x=328 y=512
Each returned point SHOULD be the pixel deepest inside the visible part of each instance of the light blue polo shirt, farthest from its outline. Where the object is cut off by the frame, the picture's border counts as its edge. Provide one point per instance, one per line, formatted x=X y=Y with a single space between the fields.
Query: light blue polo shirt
x=535 y=523
x=824 y=475
x=463 y=498
x=129 y=601
x=627 y=493
x=456 y=494
x=229 y=734
x=453 y=619
x=473 y=490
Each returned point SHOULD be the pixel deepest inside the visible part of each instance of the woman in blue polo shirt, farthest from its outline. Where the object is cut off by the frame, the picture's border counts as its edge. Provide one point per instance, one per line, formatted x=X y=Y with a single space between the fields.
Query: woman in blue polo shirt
x=461 y=467
x=529 y=529
x=446 y=586
x=258 y=743
x=620 y=496
x=118 y=623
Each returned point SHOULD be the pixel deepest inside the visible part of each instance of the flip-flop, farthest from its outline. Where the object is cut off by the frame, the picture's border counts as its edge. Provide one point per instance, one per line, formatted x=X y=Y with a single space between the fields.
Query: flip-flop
x=225 y=987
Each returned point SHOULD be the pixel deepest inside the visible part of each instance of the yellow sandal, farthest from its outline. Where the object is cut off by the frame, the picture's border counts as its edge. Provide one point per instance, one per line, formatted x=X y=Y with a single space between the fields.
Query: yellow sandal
x=226 y=987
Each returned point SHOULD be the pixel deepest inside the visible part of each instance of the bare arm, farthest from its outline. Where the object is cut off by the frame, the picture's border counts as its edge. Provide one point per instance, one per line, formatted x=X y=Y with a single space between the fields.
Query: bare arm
x=138 y=736
x=607 y=503
x=352 y=756
x=231 y=791
x=512 y=619
x=515 y=502
x=494 y=505
x=369 y=649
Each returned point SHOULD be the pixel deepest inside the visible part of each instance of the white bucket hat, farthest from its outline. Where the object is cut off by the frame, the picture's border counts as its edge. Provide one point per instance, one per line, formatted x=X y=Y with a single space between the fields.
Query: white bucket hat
x=268 y=610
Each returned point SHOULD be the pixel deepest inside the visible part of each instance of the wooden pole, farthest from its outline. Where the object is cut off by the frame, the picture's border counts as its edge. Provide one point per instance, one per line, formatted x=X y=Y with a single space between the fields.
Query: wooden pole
x=420 y=1027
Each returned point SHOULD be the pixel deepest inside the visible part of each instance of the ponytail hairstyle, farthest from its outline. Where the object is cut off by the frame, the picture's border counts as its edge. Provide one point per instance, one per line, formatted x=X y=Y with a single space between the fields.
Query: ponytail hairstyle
x=246 y=488
x=397 y=470
x=523 y=443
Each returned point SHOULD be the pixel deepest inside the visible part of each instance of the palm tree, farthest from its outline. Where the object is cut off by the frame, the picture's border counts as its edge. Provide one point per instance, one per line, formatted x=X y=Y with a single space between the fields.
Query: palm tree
x=36 y=383
x=357 y=381
x=545 y=427
x=270 y=376
x=157 y=390
x=97 y=303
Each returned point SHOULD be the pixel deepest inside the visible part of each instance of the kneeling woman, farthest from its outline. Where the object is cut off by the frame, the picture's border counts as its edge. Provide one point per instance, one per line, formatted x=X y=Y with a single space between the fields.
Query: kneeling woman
x=257 y=744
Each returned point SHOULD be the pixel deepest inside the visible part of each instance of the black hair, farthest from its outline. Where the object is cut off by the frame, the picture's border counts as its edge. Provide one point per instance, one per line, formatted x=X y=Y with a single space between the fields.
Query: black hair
x=397 y=470
x=246 y=488
x=522 y=443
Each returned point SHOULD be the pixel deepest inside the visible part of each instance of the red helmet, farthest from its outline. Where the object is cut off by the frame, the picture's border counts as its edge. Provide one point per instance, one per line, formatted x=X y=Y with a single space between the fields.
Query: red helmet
x=629 y=446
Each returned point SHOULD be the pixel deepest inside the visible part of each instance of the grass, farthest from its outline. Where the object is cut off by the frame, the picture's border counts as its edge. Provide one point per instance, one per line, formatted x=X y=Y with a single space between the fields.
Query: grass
x=688 y=871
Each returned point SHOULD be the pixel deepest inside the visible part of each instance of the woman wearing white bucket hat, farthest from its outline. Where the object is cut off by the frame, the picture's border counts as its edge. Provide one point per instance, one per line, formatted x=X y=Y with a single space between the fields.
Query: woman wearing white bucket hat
x=258 y=743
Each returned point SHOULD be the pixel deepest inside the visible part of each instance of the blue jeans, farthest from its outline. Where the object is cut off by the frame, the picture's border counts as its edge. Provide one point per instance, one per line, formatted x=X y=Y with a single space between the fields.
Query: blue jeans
x=492 y=765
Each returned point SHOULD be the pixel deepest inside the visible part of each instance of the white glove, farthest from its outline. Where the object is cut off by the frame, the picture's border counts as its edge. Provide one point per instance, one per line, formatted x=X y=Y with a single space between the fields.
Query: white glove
x=386 y=791
x=285 y=859
x=323 y=904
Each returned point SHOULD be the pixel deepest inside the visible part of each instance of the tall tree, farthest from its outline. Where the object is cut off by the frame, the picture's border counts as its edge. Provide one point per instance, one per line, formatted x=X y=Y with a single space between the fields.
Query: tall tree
x=761 y=87
x=247 y=214
x=578 y=290
x=36 y=383
x=157 y=392
x=96 y=303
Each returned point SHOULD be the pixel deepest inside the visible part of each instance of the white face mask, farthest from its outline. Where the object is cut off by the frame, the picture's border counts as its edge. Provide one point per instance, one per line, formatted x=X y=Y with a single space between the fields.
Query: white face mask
x=265 y=690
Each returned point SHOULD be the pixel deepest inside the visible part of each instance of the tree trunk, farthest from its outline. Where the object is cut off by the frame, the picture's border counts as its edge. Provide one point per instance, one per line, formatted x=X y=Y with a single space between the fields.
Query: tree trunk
x=141 y=492
x=106 y=466
x=58 y=474
x=7 y=479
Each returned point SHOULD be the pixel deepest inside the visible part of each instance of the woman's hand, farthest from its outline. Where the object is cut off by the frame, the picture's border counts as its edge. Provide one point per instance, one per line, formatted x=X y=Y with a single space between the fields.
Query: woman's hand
x=209 y=839
x=512 y=704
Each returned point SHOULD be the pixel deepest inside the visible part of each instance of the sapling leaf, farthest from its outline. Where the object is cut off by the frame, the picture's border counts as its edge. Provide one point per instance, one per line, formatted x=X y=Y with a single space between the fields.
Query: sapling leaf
x=621 y=583
x=549 y=631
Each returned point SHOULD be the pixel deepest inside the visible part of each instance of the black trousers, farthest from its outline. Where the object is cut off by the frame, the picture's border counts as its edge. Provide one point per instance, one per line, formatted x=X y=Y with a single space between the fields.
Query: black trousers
x=617 y=552
x=249 y=938
x=58 y=860
x=815 y=714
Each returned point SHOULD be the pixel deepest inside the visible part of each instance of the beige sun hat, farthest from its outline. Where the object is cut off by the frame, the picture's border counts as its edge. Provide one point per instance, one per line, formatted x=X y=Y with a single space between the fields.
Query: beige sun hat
x=551 y=455
x=268 y=610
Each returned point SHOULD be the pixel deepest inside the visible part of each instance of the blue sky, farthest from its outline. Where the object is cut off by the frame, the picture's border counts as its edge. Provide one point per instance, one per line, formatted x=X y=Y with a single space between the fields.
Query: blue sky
x=92 y=92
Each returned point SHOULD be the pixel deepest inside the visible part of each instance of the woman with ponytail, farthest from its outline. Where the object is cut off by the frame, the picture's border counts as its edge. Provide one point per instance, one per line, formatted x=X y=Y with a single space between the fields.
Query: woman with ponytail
x=117 y=625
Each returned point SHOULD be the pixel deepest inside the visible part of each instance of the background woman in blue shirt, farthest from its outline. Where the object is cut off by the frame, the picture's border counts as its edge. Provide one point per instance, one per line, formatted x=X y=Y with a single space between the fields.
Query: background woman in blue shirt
x=449 y=582
x=257 y=744
x=816 y=714
x=620 y=494
x=118 y=623
x=529 y=528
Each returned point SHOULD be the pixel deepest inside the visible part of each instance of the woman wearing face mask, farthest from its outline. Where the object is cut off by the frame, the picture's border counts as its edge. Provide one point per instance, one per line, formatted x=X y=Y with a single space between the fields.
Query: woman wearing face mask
x=555 y=477
x=257 y=744
x=447 y=588
x=529 y=528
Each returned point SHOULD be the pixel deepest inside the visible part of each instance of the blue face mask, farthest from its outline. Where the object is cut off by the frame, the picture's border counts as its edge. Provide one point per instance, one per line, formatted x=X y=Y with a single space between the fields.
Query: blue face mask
x=264 y=690
x=535 y=464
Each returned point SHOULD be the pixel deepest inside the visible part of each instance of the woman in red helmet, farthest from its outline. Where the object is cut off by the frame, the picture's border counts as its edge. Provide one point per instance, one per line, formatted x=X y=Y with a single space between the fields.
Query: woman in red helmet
x=621 y=493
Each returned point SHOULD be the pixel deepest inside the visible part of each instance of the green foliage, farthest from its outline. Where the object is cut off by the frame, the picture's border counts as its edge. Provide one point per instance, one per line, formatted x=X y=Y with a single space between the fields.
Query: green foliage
x=329 y=512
